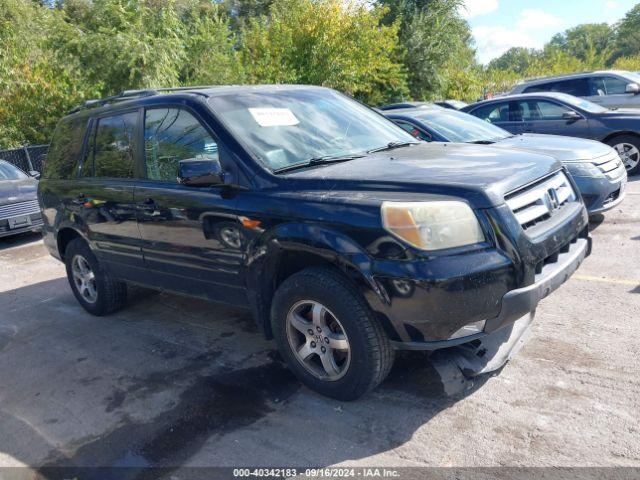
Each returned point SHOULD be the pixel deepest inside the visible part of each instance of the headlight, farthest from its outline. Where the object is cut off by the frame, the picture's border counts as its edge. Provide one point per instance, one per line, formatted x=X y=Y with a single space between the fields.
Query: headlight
x=583 y=169
x=432 y=225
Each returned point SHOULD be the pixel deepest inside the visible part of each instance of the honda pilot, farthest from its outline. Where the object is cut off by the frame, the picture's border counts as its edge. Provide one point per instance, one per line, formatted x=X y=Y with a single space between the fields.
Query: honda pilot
x=345 y=237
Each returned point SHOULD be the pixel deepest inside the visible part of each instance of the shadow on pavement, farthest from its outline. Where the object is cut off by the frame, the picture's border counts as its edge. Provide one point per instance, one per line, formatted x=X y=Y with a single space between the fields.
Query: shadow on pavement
x=167 y=378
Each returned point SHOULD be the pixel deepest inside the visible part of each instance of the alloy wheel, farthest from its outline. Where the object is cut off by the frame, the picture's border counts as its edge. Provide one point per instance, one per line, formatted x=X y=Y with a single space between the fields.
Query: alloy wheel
x=84 y=279
x=629 y=154
x=318 y=340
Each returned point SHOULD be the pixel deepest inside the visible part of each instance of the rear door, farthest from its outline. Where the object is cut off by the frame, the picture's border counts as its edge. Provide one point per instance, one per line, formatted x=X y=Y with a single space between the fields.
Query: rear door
x=546 y=116
x=103 y=193
x=191 y=235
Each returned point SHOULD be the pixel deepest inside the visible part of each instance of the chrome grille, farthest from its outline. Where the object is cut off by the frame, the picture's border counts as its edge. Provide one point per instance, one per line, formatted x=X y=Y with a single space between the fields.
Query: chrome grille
x=539 y=202
x=610 y=164
x=17 y=209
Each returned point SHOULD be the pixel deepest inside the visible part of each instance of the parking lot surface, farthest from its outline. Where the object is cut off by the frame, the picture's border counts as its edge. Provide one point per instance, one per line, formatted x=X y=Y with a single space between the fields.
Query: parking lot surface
x=177 y=382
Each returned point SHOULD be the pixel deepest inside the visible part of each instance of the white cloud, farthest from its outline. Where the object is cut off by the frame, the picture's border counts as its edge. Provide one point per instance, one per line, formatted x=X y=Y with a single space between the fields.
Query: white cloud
x=475 y=8
x=529 y=32
x=537 y=19
x=611 y=4
x=493 y=41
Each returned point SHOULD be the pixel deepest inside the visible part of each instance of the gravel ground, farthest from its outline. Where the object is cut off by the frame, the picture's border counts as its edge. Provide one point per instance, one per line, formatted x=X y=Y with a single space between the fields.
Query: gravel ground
x=178 y=382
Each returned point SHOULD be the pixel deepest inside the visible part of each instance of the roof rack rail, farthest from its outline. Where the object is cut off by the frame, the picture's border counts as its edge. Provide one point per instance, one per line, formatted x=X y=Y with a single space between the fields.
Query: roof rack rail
x=129 y=94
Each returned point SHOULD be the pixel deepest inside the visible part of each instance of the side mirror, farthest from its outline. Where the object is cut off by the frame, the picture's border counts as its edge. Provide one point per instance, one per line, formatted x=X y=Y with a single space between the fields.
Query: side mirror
x=571 y=116
x=633 y=88
x=200 y=173
x=34 y=173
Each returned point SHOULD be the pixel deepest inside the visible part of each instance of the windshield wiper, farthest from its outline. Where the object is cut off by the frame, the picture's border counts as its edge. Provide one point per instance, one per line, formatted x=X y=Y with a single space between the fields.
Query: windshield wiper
x=391 y=146
x=482 y=142
x=318 y=161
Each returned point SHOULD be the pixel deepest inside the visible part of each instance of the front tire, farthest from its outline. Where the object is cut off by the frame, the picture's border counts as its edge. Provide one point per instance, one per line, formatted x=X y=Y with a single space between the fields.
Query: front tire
x=628 y=147
x=328 y=335
x=93 y=287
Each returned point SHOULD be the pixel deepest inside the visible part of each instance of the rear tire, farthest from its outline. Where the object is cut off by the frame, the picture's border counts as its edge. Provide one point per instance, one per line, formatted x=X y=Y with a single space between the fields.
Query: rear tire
x=328 y=335
x=93 y=287
x=628 y=147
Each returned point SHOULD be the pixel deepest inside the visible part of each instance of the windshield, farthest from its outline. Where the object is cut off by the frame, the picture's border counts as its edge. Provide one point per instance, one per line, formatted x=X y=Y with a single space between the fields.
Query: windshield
x=585 y=105
x=285 y=127
x=9 y=172
x=461 y=127
x=633 y=76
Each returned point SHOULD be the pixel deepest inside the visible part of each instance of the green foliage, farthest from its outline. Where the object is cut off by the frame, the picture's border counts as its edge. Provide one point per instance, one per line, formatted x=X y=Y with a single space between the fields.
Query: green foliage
x=324 y=42
x=54 y=57
x=628 y=34
x=591 y=43
x=516 y=59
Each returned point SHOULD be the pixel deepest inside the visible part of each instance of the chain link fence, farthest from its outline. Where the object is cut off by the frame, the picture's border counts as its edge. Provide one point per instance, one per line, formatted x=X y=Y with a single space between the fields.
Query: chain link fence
x=26 y=158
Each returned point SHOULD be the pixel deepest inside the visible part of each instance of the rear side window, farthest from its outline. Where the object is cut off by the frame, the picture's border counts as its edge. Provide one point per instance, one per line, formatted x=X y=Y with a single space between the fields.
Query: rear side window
x=114 y=147
x=494 y=113
x=66 y=147
x=578 y=87
x=172 y=135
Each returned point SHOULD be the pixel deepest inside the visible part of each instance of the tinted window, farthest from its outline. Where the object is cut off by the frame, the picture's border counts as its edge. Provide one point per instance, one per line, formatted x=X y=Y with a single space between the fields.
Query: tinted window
x=113 y=153
x=9 y=172
x=413 y=130
x=608 y=86
x=532 y=110
x=494 y=113
x=66 y=145
x=576 y=86
x=171 y=135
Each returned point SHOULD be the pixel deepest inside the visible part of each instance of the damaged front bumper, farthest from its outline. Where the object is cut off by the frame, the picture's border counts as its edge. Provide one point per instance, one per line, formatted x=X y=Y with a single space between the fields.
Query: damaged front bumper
x=505 y=334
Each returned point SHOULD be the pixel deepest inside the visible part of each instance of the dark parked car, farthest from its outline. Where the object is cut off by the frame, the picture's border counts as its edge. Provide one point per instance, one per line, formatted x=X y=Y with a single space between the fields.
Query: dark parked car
x=345 y=236
x=596 y=168
x=19 y=210
x=609 y=88
x=562 y=114
x=451 y=104
x=403 y=105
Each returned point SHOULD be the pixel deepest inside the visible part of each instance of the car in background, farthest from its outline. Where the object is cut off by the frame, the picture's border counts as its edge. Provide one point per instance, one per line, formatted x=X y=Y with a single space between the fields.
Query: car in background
x=451 y=104
x=562 y=114
x=609 y=88
x=595 y=167
x=397 y=106
x=19 y=210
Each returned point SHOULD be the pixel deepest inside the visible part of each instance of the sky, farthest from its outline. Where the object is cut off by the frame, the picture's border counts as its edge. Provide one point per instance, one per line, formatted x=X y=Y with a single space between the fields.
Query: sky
x=498 y=25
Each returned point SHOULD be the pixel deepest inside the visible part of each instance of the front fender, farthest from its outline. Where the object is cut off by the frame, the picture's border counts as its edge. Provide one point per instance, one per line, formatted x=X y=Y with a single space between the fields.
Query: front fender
x=309 y=242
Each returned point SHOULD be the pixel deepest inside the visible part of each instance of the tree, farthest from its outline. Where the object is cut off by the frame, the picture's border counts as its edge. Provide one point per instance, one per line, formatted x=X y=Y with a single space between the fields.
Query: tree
x=592 y=43
x=516 y=59
x=436 y=43
x=627 y=40
x=324 y=42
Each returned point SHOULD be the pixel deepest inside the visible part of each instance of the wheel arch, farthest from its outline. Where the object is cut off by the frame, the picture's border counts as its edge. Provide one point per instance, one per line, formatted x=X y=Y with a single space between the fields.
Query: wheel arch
x=65 y=236
x=293 y=247
x=620 y=133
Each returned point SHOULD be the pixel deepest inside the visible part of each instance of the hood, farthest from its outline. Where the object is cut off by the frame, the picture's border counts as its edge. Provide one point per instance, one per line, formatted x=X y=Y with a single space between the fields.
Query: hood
x=560 y=147
x=479 y=173
x=628 y=113
x=13 y=191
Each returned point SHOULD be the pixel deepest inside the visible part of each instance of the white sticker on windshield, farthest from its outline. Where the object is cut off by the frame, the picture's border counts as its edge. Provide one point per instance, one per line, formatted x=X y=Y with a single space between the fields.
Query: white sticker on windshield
x=274 y=117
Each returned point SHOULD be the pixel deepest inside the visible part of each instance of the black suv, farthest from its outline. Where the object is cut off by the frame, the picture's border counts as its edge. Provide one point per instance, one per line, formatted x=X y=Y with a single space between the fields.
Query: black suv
x=345 y=237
